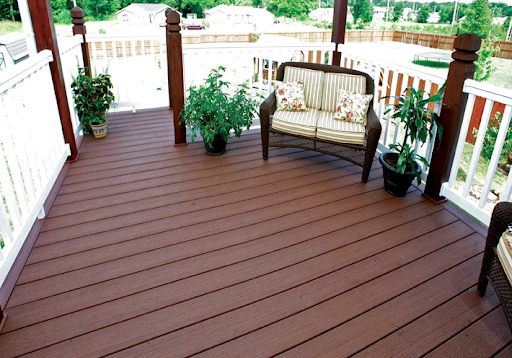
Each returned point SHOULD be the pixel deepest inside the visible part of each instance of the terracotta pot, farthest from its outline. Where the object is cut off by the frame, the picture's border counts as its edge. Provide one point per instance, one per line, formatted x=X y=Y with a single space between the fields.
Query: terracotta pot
x=99 y=130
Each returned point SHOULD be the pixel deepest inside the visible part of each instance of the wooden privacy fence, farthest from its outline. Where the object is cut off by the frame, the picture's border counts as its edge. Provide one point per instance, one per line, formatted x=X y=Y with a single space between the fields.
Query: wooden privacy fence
x=105 y=46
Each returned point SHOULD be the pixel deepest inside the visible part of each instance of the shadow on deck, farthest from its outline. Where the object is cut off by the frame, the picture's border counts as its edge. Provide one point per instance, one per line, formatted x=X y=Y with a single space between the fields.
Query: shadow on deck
x=152 y=250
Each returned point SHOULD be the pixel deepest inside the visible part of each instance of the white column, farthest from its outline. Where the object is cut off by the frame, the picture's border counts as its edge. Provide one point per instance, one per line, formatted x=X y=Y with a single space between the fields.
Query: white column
x=26 y=21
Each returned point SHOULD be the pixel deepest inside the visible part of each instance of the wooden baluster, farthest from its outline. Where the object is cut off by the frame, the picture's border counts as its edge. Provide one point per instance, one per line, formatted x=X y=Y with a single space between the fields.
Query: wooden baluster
x=452 y=112
x=46 y=38
x=79 y=29
x=175 y=74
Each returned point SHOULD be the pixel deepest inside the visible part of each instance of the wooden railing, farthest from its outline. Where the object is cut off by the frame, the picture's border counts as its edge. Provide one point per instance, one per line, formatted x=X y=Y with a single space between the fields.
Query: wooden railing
x=71 y=60
x=391 y=80
x=32 y=151
x=463 y=188
x=109 y=47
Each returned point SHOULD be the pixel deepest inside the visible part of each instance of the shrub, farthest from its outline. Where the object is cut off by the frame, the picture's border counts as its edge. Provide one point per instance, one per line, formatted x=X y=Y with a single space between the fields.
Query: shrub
x=490 y=138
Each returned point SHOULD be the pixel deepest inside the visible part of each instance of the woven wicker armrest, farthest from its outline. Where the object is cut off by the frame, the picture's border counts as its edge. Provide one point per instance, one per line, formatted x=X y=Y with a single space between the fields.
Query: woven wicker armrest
x=267 y=108
x=492 y=269
x=373 y=127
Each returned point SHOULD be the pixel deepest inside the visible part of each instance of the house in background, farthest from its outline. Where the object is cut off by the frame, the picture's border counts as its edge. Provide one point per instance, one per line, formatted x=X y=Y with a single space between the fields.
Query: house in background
x=238 y=15
x=143 y=14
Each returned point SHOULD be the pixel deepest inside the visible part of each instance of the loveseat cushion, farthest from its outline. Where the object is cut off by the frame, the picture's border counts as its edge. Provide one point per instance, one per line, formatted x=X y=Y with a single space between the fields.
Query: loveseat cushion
x=335 y=130
x=332 y=84
x=290 y=96
x=313 y=83
x=504 y=250
x=301 y=123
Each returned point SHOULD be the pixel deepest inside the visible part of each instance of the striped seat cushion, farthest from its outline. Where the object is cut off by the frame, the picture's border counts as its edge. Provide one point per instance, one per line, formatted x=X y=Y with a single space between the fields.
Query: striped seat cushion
x=335 y=130
x=301 y=123
x=333 y=82
x=505 y=253
x=313 y=81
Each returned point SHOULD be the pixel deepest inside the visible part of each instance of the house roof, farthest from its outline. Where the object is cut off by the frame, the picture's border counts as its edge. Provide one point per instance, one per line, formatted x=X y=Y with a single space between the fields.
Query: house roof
x=245 y=10
x=150 y=8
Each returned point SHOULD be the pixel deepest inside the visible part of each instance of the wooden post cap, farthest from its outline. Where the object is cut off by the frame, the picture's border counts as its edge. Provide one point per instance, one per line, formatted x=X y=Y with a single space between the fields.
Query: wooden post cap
x=77 y=13
x=466 y=46
x=467 y=42
x=173 y=17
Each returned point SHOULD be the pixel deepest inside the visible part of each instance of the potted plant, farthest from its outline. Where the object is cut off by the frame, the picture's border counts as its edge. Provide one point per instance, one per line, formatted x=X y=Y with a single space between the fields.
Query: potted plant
x=401 y=167
x=93 y=97
x=216 y=108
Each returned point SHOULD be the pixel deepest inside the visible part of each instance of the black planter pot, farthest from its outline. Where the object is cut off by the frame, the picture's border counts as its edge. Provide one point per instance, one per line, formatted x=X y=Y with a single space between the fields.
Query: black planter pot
x=218 y=146
x=394 y=183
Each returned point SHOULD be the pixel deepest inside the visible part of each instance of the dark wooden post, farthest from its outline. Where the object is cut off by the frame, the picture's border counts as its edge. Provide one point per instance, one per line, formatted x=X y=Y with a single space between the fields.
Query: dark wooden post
x=46 y=39
x=175 y=73
x=338 y=28
x=454 y=101
x=3 y=318
x=79 y=29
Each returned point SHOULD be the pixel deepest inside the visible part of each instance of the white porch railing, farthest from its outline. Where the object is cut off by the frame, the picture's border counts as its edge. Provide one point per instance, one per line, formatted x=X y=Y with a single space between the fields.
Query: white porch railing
x=71 y=58
x=248 y=62
x=32 y=151
x=470 y=193
x=391 y=80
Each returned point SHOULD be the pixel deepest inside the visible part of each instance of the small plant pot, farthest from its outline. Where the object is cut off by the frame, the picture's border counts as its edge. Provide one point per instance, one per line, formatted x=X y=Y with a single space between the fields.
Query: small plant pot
x=218 y=146
x=394 y=183
x=99 y=130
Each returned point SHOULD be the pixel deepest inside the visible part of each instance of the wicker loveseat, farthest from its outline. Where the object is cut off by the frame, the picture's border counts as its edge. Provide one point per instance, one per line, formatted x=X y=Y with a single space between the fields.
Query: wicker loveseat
x=494 y=267
x=325 y=134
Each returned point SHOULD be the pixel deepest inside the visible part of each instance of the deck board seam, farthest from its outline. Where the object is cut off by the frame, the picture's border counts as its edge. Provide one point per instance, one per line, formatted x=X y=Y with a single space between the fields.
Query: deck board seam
x=207 y=186
x=295 y=286
x=208 y=220
x=319 y=302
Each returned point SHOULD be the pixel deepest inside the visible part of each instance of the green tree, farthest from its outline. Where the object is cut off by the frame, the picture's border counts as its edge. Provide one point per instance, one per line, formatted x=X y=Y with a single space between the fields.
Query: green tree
x=290 y=8
x=446 y=13
x=398 y=11
x=362 y=10
x=9 y=10
x=484 y=65
x=423 y=14
x=478 y=18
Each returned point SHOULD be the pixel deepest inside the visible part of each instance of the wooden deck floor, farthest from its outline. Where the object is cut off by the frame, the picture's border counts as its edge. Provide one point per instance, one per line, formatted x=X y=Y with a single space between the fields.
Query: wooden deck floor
x=152 y=250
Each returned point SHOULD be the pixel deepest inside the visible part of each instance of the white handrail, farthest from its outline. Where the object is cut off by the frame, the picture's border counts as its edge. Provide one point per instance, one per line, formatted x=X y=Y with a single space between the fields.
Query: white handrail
x=470 y=196
x=32 y=151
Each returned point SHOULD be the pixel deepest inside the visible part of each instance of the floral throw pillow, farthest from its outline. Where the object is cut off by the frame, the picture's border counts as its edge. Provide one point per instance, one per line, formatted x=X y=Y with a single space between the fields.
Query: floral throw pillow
x=352 y=107
x=290 y=96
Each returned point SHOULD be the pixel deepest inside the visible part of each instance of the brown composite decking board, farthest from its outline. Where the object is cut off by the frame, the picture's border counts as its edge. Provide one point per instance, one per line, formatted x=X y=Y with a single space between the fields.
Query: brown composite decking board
x=236 y=256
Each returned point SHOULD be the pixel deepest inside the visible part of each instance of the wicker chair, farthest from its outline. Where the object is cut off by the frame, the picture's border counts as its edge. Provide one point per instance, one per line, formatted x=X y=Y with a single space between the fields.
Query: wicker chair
x=361 y=155
x=492 y=270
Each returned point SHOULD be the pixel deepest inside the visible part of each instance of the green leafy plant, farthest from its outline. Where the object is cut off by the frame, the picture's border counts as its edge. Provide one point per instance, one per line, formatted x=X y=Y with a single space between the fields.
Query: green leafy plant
x=216 y=108
x=413 y=111
x=490 y=138
x=484 y=66
x=93 y=97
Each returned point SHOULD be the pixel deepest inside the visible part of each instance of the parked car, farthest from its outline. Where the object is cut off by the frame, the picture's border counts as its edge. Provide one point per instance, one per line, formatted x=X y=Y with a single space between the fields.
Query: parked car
x=192 y=27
